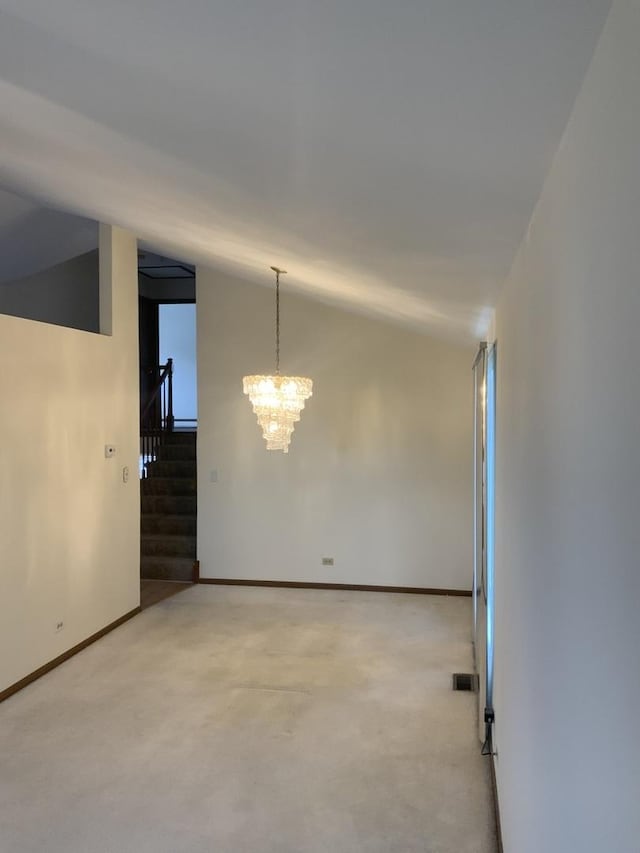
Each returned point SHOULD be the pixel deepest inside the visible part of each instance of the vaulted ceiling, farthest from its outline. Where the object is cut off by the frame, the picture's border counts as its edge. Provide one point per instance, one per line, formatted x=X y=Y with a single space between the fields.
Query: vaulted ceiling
x=389 y=154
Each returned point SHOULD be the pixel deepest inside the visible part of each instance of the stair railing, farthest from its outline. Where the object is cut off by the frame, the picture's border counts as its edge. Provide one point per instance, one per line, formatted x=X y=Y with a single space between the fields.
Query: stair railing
x=156 y=415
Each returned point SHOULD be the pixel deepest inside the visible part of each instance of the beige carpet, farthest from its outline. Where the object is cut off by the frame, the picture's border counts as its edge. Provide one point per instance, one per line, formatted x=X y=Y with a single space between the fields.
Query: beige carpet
x=240 y=720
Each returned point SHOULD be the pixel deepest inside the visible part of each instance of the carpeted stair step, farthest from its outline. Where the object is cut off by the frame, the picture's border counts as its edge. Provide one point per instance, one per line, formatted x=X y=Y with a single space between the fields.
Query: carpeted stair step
x=168 y=504
x=168 y=517
x=159 y=545
x=168 y=486
x=175 y=525
x=178 y=437
x=177 y=453
x=172 y=469
x=167 y=568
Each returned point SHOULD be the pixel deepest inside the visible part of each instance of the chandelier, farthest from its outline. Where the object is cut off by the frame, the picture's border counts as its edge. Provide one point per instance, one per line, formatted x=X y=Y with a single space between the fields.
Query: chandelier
x=277 y=400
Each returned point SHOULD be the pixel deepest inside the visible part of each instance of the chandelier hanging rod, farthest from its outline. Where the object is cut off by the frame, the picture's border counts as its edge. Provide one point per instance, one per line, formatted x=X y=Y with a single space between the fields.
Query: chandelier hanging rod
x=278 y=273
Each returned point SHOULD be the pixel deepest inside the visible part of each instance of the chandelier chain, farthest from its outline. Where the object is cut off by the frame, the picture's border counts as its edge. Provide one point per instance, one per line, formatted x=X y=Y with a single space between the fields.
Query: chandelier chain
x=277 y=322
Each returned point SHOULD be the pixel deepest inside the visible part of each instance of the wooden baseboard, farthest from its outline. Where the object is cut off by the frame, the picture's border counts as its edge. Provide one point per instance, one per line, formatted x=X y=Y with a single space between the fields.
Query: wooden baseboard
x=496 y=805
x=359 y=587
x=43 y=670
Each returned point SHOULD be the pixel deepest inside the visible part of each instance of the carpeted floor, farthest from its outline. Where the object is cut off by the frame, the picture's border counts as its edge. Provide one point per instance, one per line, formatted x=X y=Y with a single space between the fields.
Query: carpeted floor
x=242 y=720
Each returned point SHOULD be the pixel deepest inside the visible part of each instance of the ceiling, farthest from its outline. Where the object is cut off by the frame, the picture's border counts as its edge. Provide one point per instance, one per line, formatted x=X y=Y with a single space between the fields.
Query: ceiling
x=389 y=154
x=33 y=238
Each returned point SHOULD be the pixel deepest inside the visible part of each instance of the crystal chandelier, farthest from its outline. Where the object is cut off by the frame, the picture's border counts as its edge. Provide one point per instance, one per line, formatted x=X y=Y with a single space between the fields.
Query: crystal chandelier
x=277 y=400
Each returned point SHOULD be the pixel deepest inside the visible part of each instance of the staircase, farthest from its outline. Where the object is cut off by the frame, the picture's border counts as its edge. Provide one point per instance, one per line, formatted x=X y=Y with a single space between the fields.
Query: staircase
x=168 y=511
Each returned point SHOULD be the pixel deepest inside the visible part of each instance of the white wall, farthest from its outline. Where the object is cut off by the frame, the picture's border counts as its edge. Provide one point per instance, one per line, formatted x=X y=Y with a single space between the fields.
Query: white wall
x=379 y=471
x=65 y=294
x=69 y=526
x=177 y=340
x=568 y=483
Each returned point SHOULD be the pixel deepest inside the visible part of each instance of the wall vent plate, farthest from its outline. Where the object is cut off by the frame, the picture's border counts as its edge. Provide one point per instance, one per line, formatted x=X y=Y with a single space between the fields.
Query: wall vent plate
x=465 y=681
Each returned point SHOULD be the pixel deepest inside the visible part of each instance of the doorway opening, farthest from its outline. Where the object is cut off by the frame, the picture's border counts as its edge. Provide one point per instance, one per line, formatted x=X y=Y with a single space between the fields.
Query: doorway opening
x=168 y=425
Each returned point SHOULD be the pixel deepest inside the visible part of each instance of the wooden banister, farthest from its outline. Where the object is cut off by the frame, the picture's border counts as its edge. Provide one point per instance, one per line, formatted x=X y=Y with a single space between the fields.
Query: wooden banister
x=156 y=415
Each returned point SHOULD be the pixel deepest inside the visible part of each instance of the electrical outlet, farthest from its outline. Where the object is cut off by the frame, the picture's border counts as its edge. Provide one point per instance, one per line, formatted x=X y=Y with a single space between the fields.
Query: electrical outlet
x=327 y=561
x=59 y=627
